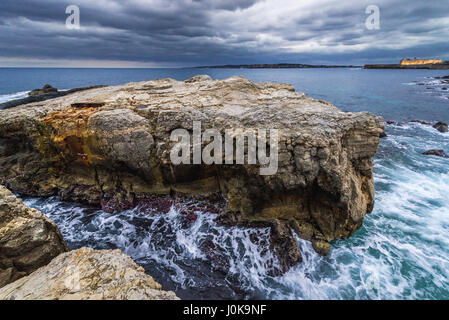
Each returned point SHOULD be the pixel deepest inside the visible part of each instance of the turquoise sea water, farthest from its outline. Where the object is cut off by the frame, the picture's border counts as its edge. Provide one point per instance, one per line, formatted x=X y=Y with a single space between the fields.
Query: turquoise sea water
x=401 y=252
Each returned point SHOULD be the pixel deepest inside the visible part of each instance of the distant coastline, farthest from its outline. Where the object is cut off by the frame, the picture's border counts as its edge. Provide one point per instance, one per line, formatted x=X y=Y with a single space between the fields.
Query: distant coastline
x=436 y=66
x=275 y=66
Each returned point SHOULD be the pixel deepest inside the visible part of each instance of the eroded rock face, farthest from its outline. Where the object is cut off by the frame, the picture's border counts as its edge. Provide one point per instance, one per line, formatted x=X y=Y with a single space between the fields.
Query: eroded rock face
x=28 y=239
x=112 y=145
x=87 y=274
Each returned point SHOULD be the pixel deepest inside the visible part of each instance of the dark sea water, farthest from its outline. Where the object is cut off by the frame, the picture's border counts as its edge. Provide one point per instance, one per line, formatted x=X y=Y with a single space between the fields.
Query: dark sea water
x=401 y=252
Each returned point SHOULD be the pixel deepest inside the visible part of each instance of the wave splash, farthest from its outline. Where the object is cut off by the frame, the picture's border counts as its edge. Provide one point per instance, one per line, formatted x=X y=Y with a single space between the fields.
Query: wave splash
x=196 y=259
x=13 y=96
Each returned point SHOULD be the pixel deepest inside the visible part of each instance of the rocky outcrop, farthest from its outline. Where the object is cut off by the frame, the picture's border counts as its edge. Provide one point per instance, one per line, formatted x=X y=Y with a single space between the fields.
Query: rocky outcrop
x=111 y=146
x=28 y=239
x=441 y=126
x=87 y=274
x=46 y=93
x=45 y=89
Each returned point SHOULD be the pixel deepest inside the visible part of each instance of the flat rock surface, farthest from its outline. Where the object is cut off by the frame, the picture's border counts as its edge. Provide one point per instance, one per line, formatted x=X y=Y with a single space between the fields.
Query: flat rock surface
x=88 y=274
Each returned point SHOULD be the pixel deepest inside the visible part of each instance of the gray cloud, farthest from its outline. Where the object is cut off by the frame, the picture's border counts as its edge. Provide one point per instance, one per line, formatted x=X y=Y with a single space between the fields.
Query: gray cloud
x=205 y=32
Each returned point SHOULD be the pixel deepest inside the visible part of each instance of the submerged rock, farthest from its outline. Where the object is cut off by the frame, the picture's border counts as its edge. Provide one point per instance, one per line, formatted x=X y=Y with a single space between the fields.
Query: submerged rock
x=111 y=146
x=438 y=153
x=422 y=122
x=28 y=239
x=441 y=126
x=87 y=274
x=284 y=246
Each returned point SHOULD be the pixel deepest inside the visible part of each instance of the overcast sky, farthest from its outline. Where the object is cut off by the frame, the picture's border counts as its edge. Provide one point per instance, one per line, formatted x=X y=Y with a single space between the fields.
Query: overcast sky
x=172 y=33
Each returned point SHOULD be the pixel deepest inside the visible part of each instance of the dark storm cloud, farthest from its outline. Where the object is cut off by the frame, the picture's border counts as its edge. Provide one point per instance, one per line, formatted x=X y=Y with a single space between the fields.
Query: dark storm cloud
x=205 y=32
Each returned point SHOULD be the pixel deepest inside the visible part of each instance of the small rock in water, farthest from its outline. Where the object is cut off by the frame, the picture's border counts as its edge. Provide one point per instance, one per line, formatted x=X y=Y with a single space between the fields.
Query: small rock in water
x=45 y=89
x=441 y=126
x=394 y=123
x=438 y=153
x=422 y=122
x=321 y=247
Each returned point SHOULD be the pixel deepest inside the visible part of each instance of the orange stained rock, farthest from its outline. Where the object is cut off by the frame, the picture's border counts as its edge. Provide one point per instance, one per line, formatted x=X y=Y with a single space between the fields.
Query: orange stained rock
x=69 y=129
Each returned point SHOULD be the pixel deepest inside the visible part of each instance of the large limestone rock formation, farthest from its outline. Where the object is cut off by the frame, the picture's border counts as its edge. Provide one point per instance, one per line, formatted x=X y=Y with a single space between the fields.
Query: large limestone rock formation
x=111 y=146
x=87 y=274
x=28 y=239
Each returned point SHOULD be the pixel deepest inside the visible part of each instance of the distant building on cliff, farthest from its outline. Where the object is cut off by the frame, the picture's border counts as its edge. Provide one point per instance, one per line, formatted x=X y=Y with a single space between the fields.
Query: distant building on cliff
x=411 y=62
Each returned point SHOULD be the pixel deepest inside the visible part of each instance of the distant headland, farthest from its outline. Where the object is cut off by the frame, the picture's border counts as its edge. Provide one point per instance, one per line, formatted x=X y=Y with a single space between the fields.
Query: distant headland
x=412 y=64
x=403 y=64
x=276 y=66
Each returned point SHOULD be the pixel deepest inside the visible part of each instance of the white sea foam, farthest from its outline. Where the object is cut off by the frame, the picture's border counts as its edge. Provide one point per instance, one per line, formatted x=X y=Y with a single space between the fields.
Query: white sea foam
x=239 y=255
x=13 y=96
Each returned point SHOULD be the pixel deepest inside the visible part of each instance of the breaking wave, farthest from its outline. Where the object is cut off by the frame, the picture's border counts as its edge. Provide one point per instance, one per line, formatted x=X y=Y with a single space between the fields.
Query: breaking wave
x=432 y=86
x=197 y=259
x=13 y=96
